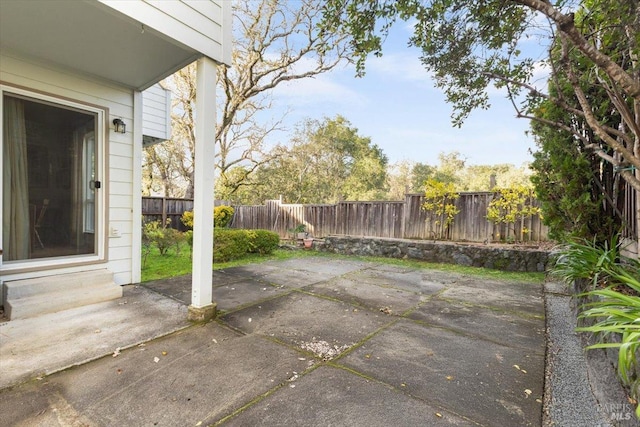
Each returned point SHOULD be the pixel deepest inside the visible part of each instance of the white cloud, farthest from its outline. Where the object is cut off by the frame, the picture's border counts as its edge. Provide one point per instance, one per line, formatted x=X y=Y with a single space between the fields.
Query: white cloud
x=321 y=89
x=541 y=73
x=401 y=66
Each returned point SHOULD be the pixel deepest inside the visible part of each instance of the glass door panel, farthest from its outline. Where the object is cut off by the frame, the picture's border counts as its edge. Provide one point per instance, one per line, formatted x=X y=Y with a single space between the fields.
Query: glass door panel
x=48 y=163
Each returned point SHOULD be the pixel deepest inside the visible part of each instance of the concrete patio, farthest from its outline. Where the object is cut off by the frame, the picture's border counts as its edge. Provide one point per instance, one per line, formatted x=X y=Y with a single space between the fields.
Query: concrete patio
x=312 y=341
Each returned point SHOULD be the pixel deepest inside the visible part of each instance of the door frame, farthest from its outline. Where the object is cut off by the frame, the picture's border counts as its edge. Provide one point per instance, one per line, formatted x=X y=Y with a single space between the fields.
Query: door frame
x=101 y=205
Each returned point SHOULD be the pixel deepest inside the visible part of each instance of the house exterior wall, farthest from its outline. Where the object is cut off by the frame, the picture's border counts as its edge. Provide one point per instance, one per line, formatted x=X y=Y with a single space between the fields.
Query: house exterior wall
x=202 y=25
x=119 y=172
x=156 y=114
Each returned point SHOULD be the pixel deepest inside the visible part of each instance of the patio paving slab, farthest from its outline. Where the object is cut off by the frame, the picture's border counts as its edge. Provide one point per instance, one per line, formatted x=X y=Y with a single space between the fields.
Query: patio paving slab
x=469 y=376
x=410 y=280
x=300 y=319
x=334 y=397
x=328 y=267
x=509 y=296
x=293 y=278
x=245 y=292
x=249 y=270
x=381 y=298
x=194 y=380
x=524 y=331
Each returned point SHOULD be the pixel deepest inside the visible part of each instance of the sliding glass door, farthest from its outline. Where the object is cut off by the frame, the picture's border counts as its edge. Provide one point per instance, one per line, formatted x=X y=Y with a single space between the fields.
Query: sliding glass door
x=49 y=178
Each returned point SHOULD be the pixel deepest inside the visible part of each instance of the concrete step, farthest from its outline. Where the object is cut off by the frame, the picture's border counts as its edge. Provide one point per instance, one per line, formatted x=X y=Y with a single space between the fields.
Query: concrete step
x=33 y=297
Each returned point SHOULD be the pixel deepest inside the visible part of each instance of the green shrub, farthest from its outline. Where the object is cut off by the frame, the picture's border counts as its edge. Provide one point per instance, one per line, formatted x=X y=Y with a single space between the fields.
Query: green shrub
x=161 y=236
x=222 y=216
x=265 y=242
x=187 y=219
x=230 y=244
x=188 y=236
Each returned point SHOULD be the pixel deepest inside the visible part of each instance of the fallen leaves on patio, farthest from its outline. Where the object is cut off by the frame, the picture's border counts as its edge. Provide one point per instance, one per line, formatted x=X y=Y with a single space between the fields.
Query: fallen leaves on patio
x=520 y=369
x=323 y=349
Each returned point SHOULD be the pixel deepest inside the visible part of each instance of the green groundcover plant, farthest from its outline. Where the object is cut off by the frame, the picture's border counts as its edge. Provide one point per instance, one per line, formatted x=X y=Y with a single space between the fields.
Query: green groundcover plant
x=612 y=307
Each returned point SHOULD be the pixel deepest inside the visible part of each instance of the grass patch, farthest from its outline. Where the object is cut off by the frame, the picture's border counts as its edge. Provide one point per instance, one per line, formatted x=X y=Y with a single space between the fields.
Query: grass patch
x=173 y=264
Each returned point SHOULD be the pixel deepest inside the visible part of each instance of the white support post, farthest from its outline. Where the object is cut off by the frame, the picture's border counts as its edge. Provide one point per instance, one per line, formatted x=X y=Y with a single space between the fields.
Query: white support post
x=202 y=307
x=136 y=204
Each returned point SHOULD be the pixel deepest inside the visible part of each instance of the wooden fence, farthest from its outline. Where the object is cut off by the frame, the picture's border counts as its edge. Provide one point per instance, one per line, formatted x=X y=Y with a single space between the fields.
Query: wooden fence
x=398 y=219
x=385 y=219
x=168 y=208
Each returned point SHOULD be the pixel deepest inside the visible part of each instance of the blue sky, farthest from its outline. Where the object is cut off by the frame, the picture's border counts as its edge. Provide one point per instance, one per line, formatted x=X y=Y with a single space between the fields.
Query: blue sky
x=397 y=106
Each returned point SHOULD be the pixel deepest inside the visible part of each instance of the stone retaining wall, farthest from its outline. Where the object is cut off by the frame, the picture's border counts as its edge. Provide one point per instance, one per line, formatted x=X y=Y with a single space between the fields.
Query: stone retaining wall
x=499 y=258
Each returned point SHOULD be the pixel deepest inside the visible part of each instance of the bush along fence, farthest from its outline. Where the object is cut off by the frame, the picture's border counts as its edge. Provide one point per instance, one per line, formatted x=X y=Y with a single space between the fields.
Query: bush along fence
x=406 y=219
x=168 y=210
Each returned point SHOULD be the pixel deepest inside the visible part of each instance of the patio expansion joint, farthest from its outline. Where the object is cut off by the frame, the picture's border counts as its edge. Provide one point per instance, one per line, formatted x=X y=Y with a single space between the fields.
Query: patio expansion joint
x=400 y=390
x=473 y=336
x=500 y=310
x=235 y=309
x=155 y=291
x=258 y=398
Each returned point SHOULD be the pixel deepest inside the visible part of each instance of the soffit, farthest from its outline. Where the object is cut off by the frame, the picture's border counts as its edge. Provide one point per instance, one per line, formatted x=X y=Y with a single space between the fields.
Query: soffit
x=92 y=39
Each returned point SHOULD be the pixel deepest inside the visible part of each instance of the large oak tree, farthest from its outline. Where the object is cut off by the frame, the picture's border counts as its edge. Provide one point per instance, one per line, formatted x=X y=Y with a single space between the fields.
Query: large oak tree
x=274 y=42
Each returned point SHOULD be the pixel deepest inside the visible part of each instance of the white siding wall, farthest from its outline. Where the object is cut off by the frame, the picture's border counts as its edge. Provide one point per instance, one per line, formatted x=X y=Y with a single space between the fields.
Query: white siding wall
x=119 y=102
x=156 y=112
x=204 y=25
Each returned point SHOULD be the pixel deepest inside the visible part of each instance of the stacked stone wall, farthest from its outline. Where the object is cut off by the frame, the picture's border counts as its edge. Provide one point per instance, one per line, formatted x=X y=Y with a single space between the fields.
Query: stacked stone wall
x=488 y=256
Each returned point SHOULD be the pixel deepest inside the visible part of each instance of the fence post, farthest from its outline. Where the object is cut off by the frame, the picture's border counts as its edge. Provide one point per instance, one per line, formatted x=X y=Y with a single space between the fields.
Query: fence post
x=405 y=210
x=164 y=211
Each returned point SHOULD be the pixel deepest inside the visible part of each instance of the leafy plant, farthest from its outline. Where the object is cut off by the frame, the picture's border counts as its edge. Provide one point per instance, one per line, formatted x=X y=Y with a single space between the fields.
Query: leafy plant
x=612 y=310
x=230 y=244
x=161 y=236
x=615 y=312
x=512 y=204
x=222 y=216
x=584 y=260
x=187 y=219
x=264 y=242
x=439 y=203
x=300 y=228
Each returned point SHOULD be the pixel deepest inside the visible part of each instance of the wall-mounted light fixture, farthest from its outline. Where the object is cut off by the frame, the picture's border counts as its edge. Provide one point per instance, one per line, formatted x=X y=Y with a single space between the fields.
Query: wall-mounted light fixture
x=119 y=126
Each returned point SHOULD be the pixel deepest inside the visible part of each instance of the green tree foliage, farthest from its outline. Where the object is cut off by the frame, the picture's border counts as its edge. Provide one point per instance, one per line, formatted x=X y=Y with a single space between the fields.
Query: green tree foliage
x=578 y=192
x=581 y=193
x=440 y=206
x=511 y=205
x=452 y=168
x=470 y=45
x=399 y=179
x=421 y=172
x=450 y=165
x=326 y=161
x=479 y=177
